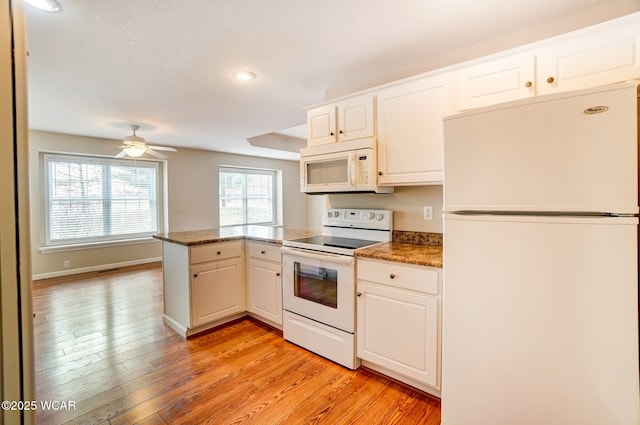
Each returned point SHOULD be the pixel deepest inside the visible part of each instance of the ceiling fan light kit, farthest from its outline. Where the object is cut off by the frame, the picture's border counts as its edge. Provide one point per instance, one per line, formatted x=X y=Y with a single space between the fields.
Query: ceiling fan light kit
x=135 y=146
x=244 y=75
x=46 y=5
x=134 y=149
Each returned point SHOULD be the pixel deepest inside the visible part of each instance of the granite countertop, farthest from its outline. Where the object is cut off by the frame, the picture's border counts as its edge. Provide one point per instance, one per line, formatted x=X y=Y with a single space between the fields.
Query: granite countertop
x=420 y=248
x=423 y=249
x=259 y=233
x=411 y=253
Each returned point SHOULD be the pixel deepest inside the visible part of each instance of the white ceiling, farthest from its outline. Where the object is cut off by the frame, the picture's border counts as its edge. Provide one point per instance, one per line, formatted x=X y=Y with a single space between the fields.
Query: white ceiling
x=97 y=66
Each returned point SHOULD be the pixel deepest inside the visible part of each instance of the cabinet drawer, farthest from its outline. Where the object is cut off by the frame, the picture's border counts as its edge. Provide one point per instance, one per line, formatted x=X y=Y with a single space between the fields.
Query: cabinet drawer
x=415 y=278
x=215 y=251
x=265 y=252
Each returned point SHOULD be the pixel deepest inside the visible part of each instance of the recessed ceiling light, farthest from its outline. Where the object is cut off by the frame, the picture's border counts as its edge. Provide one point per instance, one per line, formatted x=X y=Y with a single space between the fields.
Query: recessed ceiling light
x=47 y=5
x=244 y=75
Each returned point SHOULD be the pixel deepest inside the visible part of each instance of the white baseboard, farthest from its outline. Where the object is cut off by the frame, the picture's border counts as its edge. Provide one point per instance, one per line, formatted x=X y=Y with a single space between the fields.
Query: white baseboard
x=97 y=268
x=180 y=329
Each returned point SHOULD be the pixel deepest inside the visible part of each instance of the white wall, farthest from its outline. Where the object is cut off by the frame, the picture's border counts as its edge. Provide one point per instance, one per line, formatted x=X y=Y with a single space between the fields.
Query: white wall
x=192 y=189
x=406 y=202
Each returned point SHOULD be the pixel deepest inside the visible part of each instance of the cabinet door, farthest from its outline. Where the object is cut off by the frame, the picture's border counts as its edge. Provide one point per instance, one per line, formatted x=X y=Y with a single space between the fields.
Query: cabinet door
x=496 y=81
x=355 y=118
x=603 y=57
x=217 y=290
x=398 y=330
x=321 y=125
x=410 y=138
x=264 y=296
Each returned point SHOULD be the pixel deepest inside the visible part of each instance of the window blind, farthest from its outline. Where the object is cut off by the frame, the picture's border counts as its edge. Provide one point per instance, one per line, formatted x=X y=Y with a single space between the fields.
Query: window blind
x=96 y=199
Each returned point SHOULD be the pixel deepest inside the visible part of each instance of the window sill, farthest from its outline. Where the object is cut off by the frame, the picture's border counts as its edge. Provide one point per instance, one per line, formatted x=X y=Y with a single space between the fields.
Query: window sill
x=92 y=245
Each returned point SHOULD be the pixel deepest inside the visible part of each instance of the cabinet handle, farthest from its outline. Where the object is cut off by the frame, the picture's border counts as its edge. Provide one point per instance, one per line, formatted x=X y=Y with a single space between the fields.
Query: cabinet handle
x=550 y=80
x=528 y=84
x=332 y=133
x=195 y=275
x=219 y=252
x=392 y=276
x=262 y=252
x=341 y=132
x=277 y=274
x=379 y=173
x=359 y=294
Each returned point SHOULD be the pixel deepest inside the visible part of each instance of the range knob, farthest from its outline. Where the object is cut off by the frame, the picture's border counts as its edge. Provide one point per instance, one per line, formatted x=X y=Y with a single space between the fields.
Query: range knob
x=379 y=217
x=370 y=215
x=329 y=214
x=336 y=214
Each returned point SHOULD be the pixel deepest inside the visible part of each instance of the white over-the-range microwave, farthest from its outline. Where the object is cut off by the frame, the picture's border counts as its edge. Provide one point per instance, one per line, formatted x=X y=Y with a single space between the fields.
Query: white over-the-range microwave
x=340 y=167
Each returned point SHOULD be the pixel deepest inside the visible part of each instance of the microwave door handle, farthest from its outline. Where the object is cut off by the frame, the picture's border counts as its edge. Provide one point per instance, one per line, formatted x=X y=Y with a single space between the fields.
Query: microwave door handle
x=352 y=169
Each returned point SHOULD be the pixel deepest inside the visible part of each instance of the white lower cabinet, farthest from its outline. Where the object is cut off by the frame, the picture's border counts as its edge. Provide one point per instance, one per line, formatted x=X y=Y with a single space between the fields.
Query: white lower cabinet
x=264 y=282
x=398 y=321
x=204 y=285
x=217 y=290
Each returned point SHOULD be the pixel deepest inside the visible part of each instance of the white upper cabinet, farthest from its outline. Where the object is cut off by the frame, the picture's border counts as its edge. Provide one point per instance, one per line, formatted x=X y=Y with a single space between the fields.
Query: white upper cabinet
x=587 y=58
x=349 y=119
x=597 y=58
x=355 y=118
x=321 y=125
x=410 y=137
x=496 y=81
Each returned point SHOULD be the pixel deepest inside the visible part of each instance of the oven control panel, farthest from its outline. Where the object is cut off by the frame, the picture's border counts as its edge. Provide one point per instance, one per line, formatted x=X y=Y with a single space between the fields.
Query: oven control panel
x=359 y=218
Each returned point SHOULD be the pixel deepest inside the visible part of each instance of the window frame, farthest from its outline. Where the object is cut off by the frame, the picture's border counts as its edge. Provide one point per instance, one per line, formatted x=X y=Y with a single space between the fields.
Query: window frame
x=48 y=157
x=274 y=193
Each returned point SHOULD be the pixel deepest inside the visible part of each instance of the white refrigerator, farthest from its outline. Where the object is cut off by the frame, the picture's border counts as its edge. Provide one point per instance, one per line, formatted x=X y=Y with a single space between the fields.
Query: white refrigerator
x=540 y=295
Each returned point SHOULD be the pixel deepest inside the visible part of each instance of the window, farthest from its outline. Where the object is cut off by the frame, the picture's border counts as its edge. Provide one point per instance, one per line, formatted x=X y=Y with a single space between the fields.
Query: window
x=247 y=196
x=91 y=199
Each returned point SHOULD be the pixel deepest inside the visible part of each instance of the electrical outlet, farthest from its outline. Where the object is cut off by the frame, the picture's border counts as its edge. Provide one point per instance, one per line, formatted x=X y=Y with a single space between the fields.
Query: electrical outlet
x=428 y=213
x=66 y=264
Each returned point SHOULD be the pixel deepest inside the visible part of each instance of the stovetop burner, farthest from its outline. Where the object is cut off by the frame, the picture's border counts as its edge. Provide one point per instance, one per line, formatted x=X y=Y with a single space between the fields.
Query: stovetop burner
x=333 y=241
x=345 y=230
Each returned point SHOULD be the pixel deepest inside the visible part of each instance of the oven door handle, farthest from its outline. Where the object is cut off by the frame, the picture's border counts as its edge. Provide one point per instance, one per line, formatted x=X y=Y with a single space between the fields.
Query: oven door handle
x=336 y=258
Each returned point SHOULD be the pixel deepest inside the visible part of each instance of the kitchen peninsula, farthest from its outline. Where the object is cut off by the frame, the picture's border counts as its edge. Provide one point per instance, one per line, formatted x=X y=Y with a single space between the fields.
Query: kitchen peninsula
x=206 y=276
x=210 y=274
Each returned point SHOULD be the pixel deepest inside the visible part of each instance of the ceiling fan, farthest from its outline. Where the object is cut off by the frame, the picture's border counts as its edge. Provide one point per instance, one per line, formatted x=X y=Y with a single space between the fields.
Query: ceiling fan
x=135 y=146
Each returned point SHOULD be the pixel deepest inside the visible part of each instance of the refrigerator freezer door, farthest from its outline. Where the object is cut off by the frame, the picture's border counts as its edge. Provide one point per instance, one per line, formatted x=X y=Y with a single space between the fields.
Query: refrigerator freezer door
x=540 y=321
x=546 y=154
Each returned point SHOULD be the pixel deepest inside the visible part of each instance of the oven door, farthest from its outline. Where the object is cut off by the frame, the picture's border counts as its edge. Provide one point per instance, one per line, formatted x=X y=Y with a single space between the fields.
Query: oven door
x=319 y=286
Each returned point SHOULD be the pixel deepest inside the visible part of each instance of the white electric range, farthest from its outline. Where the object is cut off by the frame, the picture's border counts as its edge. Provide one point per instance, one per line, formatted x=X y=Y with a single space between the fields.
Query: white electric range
x=319 y=281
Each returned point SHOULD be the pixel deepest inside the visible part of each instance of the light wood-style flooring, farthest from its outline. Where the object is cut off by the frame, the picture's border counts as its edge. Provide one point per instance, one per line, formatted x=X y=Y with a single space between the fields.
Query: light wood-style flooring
x=101 y=344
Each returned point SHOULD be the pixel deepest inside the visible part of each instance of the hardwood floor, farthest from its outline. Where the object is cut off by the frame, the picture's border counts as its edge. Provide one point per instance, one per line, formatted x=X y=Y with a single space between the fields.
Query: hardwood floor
x=101 y=347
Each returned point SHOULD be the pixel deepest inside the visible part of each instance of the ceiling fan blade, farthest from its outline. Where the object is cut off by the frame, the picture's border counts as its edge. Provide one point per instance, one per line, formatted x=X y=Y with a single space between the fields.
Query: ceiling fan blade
x=120 y=154
x=156 y=154
x=162 y=148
